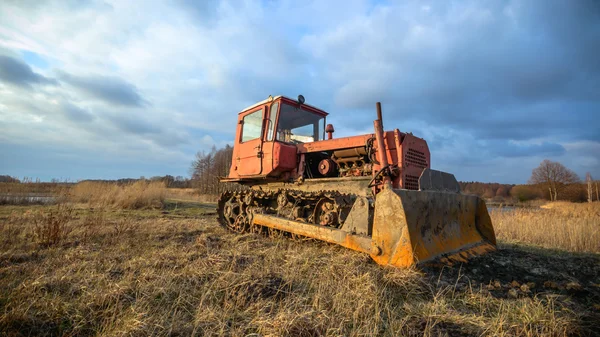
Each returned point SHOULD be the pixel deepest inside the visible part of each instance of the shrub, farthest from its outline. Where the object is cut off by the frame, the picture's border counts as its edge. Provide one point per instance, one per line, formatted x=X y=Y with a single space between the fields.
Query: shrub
x=526 y=192
x=51 y=227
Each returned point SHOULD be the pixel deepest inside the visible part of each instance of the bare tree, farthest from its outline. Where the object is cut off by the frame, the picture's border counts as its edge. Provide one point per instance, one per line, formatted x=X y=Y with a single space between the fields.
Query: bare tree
x=554 y=176
x=590 y=189
x=208 y=167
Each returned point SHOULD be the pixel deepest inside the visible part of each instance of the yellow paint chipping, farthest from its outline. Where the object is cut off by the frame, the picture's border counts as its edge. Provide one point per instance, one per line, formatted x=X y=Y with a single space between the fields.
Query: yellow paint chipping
x=410 y=227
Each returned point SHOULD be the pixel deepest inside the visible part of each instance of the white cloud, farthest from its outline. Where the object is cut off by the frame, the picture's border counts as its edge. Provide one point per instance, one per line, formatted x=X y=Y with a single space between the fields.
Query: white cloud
x=479 y=75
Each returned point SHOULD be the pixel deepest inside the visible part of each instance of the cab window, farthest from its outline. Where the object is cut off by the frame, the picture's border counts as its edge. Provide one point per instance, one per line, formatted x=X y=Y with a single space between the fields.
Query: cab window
x=297 y=125
x=272 y=117
x=252 y=125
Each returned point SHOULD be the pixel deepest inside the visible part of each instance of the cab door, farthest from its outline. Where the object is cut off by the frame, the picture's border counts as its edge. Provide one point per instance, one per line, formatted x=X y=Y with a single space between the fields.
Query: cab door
x=278 y=157
x=250 y=152
x=269 y=138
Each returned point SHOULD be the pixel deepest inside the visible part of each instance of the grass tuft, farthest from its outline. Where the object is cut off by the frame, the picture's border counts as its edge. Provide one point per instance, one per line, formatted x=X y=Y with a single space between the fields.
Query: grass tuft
x=51 y=227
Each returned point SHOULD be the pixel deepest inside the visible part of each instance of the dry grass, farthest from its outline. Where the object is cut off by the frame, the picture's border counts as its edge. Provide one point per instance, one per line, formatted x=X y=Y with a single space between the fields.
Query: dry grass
x=52 y=227
x=32 y=188
x=563 y=225
x=141 y=194
x=152 y=272
x=30 y=193
x=190 y=194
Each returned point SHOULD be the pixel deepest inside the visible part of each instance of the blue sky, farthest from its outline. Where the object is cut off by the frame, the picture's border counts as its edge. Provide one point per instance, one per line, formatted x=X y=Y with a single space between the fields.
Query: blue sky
x=111 y=89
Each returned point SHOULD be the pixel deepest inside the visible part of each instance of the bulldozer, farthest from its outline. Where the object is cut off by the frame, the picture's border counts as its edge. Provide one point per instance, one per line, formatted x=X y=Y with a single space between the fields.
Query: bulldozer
x=373 y=193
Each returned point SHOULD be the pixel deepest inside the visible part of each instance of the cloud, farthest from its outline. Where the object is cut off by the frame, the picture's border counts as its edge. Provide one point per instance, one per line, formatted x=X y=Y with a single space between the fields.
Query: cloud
x=77 y=114
x=205 y=10
x=159 y=133
x=493 y=87
x=18 y=73
x=501 y=70
x=134 y=125
x=110 y=89
x=511 y=149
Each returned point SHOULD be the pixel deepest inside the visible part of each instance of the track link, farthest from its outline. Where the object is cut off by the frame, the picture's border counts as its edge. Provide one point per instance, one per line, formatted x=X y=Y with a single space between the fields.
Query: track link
x=235 y=210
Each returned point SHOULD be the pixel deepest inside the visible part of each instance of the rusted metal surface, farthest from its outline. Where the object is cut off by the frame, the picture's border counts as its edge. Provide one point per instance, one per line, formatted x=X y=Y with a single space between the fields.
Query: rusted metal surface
x=360 y=192
x=414 y=227
x=348 y=185
x=379 y=115
x=359 y=243
x=334 y=144
x=352 y=152
x=359 y=219
x=404 y=228
x=329 y=130
x=409 y=228
x=326 y=167
x=266 y=159
x=326 y=208
x=381 y=149
x=415 y=158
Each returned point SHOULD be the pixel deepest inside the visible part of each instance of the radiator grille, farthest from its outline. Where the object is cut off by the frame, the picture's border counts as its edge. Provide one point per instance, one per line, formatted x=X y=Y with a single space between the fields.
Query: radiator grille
x=411 y=182
x=416 y=157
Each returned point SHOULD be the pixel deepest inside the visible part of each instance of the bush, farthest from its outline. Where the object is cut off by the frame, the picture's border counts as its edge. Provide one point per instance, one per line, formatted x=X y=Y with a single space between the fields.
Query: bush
x=526 y=192
x=52 y=227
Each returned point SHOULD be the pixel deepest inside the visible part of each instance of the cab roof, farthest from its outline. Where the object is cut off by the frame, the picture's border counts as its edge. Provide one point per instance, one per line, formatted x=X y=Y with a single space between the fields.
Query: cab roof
x=287 y=100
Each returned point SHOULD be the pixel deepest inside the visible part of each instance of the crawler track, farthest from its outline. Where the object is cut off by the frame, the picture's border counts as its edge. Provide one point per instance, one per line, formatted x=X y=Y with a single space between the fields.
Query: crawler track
x=235 y=210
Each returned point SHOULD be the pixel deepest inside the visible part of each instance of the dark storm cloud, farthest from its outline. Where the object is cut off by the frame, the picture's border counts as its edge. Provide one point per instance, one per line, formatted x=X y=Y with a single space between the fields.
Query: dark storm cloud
x=508 y=149
x=514 y=70
x=153 y=131
x=110 y=89
x=77 y=114
x=494 y=87
x=134 y=125
x=16 y=72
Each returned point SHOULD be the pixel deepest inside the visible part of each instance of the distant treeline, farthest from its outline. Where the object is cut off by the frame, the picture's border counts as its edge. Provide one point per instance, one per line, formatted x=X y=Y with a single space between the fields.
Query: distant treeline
x=575 y=192
x=8 y=179
x=169 y=180
x=207 y=167
x=486 y=190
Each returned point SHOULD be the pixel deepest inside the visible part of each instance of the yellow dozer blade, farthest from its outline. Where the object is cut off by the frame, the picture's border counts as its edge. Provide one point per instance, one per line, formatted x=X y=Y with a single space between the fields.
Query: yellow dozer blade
x=410 y=227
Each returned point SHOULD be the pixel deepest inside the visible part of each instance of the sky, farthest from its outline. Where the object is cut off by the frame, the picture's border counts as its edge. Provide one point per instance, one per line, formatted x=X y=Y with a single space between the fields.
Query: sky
x=112 y=89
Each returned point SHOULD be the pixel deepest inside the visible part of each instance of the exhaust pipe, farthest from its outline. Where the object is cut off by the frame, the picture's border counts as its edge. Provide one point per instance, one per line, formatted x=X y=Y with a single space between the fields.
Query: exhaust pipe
x=381 y=150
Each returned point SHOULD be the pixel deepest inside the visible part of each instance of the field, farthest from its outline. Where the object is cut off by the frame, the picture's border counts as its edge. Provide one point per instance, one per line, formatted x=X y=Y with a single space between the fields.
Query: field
x=142 y=260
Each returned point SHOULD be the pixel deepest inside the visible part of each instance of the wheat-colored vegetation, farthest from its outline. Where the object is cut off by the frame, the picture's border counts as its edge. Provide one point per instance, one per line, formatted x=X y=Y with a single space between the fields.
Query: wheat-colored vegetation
x=133 y=195
x=31 y=188
x=108 y=271
x=563 y=225
x=28 y=193
x=140 y=194
x=190 y=194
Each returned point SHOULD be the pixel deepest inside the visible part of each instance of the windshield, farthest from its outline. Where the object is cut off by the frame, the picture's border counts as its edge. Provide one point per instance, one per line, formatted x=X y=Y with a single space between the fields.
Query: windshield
x=299 y=126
